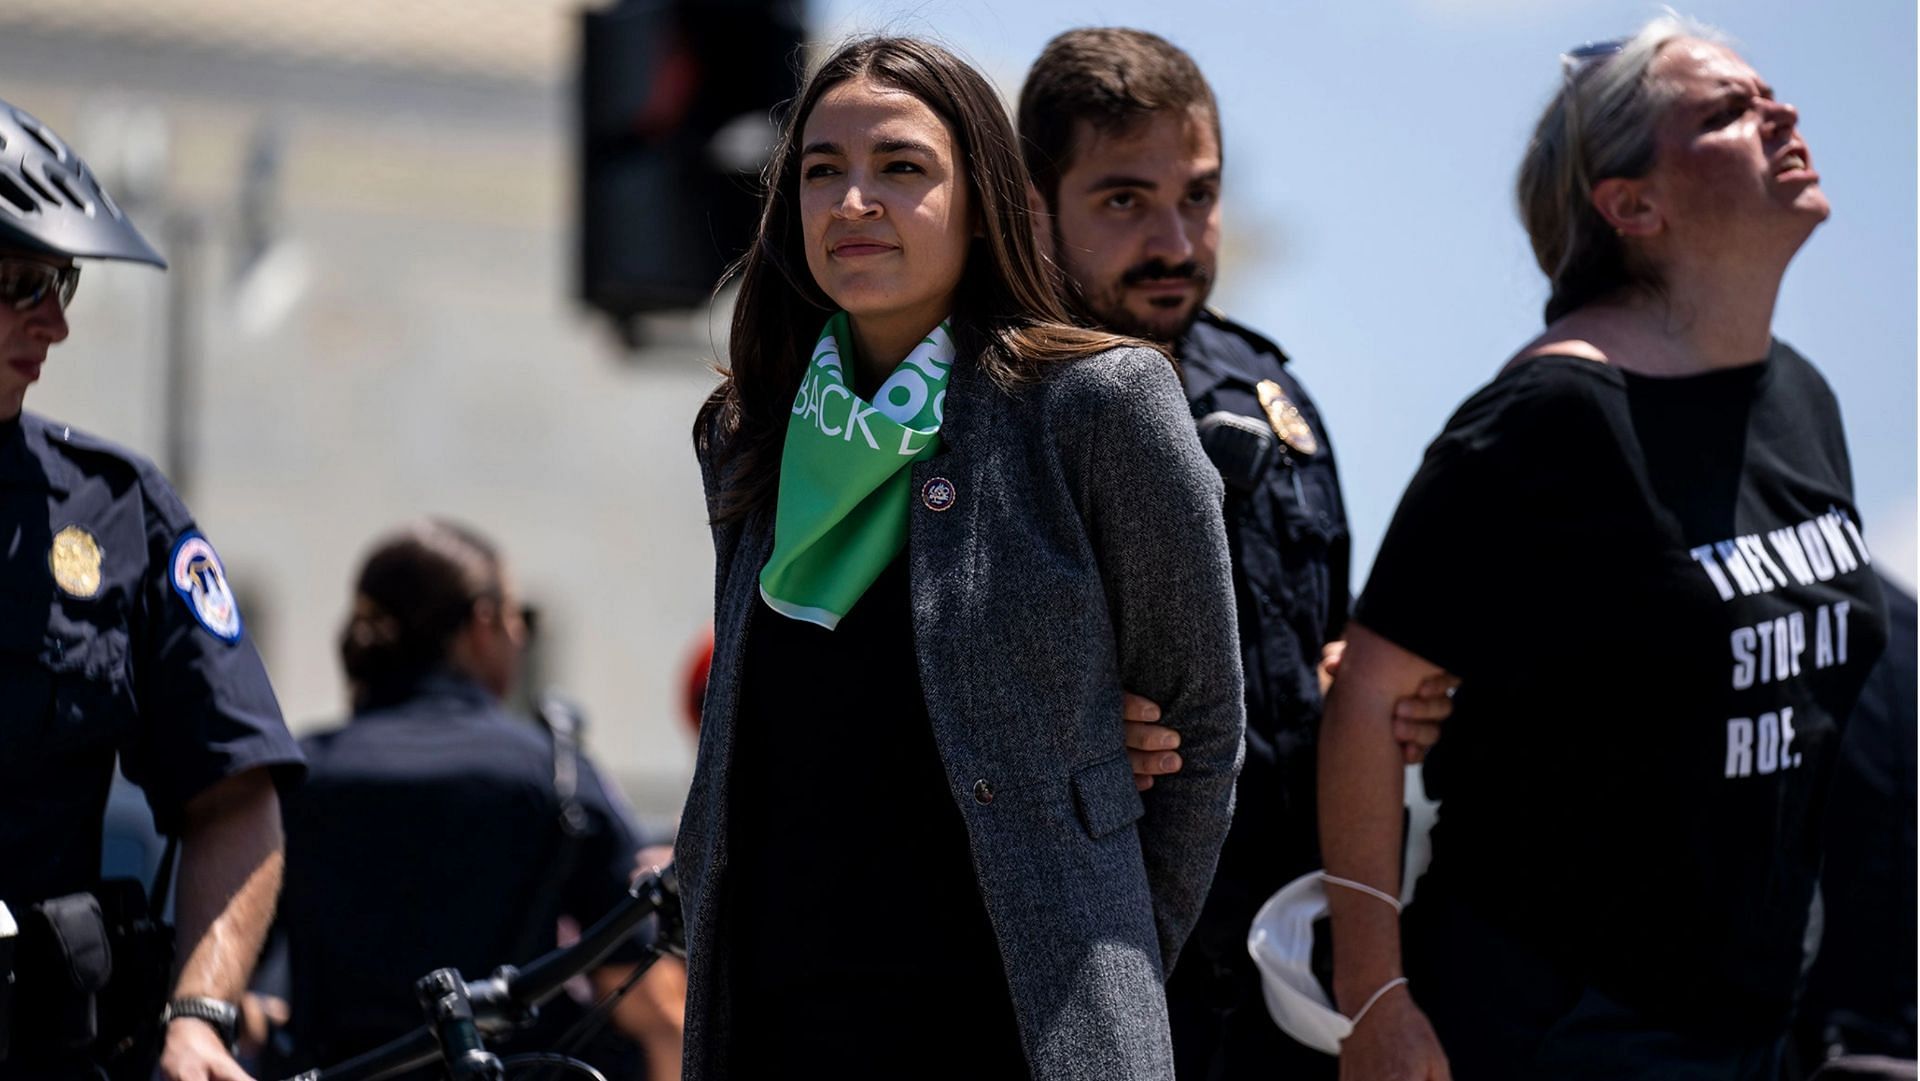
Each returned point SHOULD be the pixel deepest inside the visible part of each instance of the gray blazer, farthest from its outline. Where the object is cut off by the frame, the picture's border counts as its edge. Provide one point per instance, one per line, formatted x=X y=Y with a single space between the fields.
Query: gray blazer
x=1084 y=552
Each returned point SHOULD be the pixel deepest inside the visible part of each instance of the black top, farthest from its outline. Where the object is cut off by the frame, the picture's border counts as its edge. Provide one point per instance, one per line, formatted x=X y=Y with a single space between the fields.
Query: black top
x=1658 y=597
x=1287 y=534
x=424 y=837
x=118 y=633
x=1868 y=882
x=857 y=940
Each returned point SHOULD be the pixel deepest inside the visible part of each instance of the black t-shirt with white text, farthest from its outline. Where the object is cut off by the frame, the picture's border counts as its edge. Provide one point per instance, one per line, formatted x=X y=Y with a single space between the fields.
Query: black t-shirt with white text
x=1658 y=596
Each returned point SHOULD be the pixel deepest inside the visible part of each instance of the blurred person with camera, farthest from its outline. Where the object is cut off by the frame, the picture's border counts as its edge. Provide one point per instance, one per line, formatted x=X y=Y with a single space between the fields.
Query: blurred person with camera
x=118 y=635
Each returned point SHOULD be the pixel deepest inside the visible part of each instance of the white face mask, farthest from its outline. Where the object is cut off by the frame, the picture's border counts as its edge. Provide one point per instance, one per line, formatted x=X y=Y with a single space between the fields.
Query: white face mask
x=1281 y=938
x=1281 y=942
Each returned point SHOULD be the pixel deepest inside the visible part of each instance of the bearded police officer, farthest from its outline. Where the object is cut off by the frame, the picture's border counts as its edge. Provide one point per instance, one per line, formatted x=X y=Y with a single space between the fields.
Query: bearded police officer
x=1123 y=139
x=118 y=635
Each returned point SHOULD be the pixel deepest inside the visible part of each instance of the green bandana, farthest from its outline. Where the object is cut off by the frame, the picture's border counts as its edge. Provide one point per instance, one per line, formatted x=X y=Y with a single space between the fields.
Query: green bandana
x=844 y=477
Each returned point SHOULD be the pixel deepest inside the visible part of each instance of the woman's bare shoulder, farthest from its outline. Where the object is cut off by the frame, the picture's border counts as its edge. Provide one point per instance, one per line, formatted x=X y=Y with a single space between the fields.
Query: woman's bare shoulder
x=1555 y=343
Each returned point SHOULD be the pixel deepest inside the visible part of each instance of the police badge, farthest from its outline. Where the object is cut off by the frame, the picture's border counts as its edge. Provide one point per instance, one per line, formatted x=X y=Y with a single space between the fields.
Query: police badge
x=74 y=560
x=1285 y=417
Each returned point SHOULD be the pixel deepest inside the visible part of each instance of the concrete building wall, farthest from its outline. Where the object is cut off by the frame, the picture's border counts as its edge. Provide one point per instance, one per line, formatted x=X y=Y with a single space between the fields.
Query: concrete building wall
x=407 y=345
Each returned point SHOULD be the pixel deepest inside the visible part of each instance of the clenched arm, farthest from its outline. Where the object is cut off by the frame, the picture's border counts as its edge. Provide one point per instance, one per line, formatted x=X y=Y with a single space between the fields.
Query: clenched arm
x=1154 y=508
x=1361 y=777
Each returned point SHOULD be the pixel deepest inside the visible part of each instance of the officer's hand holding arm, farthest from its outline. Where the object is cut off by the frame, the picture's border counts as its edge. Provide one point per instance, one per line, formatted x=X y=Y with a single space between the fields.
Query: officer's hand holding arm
x=1417 y=720
x=1150 y=744
x=1329 y=666
x=1361 y=774
x=231 y=856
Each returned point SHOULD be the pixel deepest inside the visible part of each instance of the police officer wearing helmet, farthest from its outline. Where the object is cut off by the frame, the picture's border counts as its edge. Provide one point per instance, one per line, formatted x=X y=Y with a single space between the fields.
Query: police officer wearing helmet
x=118 y=635
x=1123 y=140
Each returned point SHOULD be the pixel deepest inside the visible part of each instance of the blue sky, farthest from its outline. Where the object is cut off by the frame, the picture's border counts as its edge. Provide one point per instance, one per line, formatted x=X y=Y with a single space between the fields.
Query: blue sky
x=1370 y=150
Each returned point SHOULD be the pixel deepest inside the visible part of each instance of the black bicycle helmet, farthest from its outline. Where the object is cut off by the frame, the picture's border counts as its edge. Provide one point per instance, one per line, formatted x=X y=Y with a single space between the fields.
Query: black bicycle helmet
x=50 y=202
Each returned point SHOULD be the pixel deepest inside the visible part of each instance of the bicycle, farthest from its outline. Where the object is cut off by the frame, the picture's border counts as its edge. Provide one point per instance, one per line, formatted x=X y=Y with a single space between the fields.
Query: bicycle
x=462 y=1015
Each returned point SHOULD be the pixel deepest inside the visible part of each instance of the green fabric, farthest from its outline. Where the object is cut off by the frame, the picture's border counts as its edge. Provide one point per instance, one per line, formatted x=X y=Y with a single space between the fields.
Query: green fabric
x=845 y=477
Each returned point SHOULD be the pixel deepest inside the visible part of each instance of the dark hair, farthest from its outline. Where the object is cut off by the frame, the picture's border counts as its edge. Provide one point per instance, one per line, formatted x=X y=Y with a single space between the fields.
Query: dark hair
x=1111 y=77
x=415 y=590
x=1008 y=316
x=1600 y=124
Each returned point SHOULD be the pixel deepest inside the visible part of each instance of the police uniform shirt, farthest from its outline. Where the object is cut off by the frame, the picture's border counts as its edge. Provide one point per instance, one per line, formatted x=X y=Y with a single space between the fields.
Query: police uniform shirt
x=118 y=633
x=1287 y=534
x=1659 y=598
x=426 y=835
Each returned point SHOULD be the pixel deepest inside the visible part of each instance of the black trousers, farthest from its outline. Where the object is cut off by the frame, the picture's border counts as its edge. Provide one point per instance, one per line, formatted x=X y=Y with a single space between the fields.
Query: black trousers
x=73 y=1067
x=1221 y=1028
x=869 y=1023
x=1504 y=1013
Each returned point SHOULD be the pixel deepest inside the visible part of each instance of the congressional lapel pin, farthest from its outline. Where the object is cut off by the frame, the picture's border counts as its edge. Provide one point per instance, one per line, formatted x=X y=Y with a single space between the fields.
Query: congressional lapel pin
x=939 y=494
x=75 y=562
x=201 y=582
x=1285 y=417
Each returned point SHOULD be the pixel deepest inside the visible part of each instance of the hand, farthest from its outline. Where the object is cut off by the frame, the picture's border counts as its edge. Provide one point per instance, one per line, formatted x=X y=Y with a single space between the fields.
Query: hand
x=1393 y=1042
x=193 y=1052
x=1150 y=744
x=1416 y=718
x=1330 y=655
x=259 y=1016
x=650 y=859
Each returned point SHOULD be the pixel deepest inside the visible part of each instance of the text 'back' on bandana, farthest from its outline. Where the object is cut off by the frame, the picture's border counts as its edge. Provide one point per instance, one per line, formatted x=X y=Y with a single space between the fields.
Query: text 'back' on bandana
x=844 y=475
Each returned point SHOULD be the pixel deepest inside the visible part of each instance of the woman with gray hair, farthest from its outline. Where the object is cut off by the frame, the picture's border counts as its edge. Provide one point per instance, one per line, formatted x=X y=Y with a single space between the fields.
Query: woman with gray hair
x=1644 y=527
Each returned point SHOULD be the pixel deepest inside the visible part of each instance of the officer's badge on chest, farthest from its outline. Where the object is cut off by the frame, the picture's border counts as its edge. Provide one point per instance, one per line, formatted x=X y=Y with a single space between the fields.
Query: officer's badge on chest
x=1288 y=422
x=75 y=562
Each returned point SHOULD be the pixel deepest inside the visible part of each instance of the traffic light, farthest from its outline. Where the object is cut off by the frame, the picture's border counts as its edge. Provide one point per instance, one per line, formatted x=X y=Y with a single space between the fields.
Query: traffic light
x=676 y=104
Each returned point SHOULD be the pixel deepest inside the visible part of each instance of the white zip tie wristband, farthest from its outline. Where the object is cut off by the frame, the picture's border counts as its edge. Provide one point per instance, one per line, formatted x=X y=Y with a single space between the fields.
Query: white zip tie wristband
x=1362 y=887
x=1397 y=981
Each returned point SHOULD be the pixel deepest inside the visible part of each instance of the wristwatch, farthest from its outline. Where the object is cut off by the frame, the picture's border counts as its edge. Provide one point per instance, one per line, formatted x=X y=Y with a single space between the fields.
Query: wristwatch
x=223 y=1016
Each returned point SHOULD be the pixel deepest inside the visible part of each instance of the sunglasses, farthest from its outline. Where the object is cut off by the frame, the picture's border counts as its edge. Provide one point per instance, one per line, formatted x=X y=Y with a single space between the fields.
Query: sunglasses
x=25 y=283
x=1581 y=56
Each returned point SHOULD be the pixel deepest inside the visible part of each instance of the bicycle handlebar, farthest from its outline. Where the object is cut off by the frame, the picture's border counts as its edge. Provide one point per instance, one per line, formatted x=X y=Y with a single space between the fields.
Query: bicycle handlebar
x=508 y=999
x=528 y=988
x=412 y=1051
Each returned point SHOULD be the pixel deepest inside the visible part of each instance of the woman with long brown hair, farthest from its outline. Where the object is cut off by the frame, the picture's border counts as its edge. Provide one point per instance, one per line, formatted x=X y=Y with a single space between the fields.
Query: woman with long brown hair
x=1638 y=548
x=949 y=527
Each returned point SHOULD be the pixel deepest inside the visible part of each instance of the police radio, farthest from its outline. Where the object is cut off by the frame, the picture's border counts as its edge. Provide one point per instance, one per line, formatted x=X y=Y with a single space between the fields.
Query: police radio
x=1240 y=447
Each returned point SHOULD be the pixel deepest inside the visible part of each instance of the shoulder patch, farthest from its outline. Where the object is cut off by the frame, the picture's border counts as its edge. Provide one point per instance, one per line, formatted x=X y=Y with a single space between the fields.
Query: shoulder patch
x=201 y=581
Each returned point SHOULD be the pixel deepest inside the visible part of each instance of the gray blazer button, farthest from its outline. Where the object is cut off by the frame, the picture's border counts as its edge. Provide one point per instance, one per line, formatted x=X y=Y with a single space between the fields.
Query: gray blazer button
x=982 y=792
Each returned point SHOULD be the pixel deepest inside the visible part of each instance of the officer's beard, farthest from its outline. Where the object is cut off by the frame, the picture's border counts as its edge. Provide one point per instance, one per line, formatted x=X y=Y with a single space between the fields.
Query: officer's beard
x=1107 y=308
